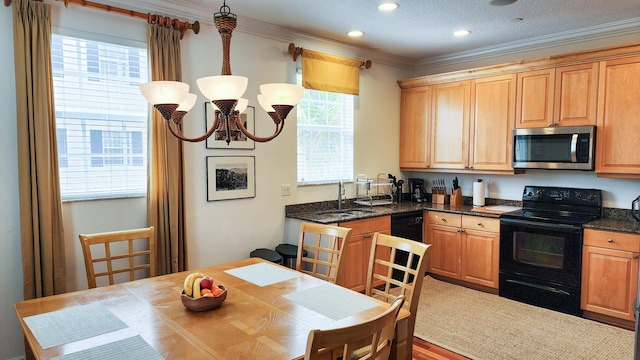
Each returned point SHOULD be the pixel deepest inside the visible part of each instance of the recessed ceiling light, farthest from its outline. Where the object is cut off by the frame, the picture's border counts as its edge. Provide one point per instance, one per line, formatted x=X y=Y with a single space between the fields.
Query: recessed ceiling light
x=387 y=6
x=355 y=33
x=461 y=33
x=501 y=2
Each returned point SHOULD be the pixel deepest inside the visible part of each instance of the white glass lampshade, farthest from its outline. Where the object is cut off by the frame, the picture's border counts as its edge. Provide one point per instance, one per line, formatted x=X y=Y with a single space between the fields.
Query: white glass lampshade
x=241 y=106
x=187 y=103
x=164 y=92
x=264 y=105
x=223 y=87
x=282 y=94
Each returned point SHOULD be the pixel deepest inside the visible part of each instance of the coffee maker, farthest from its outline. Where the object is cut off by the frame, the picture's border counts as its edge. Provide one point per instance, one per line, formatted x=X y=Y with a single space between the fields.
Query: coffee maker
x=418 y=192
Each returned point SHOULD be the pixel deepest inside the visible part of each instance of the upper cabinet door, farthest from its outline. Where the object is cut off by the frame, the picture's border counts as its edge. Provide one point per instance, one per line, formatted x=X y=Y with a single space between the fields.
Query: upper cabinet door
x=450 y=125
x=415 y=113
x=493 y=105
x=534 y=106
x=617 y=137
x=576 y=96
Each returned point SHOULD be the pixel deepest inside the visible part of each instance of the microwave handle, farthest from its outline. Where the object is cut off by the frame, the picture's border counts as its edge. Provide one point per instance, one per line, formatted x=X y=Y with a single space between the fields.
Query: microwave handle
x=574 y=147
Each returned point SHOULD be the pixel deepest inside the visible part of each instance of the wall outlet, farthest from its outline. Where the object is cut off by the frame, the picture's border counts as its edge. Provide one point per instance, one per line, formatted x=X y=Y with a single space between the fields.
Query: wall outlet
x=285 y=189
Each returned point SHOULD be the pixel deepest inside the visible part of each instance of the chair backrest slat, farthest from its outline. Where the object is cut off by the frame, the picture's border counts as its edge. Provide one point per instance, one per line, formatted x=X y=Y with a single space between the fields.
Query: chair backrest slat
x=119 y=245
x=323 y=246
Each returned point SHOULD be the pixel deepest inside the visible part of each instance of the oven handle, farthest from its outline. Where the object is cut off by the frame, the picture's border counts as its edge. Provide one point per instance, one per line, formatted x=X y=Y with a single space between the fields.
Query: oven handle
x=542 y=287
x=541 y=225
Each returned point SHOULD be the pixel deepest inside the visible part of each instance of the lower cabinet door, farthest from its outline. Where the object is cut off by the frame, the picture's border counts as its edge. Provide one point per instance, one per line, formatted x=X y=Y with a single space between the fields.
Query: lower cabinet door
x=445 y=250
x=480 y=257
x=609 y=281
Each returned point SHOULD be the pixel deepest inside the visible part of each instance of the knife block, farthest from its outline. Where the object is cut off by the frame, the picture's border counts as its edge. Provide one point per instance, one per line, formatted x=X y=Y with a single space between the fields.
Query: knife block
x=456 y=197
x=440 y=198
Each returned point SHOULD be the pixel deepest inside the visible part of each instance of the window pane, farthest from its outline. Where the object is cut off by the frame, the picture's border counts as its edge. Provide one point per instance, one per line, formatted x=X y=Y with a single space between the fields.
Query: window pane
x=325 y=136
x=103 y=116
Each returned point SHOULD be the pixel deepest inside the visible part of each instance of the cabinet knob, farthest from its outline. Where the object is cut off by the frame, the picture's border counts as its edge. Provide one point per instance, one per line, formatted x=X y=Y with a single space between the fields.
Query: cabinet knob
x=610 y=241
x=549 y=125
x=443 y=220
x=479 y=224
x=461 y=230
x=635 y=256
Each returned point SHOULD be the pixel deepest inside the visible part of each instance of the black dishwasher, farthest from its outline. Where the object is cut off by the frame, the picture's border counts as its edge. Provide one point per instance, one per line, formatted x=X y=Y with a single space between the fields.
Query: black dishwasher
x=406 y=225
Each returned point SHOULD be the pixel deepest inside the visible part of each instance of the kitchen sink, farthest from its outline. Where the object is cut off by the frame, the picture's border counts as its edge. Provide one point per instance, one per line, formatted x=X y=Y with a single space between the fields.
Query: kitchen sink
x=343 y=214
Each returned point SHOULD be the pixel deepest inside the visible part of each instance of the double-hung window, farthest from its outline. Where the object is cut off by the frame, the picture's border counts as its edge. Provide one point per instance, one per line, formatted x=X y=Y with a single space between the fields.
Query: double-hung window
x=101 y=117
x=325 y=136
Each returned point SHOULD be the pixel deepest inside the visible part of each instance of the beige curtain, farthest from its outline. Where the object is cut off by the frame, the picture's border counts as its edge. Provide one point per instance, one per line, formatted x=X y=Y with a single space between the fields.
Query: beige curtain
x=330 y=73
x=42 y=236
x=165 y=199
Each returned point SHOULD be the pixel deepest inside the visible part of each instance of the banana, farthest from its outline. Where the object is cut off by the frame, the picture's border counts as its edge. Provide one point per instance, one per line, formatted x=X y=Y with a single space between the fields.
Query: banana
x=188 y=283
x=196 y=287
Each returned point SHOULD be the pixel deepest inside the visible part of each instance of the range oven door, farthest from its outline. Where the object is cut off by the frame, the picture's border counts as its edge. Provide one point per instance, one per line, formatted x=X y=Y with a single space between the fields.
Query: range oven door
x=549 y=252
x=540 y=264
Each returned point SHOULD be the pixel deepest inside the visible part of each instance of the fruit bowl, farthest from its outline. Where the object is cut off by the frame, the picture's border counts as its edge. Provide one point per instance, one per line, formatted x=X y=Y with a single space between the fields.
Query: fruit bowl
x=204 y=303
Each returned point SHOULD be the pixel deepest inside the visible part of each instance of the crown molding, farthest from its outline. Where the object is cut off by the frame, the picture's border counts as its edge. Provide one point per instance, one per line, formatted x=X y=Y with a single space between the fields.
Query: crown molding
x=610 y=30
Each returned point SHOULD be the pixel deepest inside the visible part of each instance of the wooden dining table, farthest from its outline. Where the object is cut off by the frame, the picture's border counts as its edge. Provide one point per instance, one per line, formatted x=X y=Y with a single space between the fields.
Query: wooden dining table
x=254 y=322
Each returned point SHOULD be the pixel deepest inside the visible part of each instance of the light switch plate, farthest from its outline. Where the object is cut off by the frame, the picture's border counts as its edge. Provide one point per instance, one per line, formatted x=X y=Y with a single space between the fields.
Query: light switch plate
x=285 y=189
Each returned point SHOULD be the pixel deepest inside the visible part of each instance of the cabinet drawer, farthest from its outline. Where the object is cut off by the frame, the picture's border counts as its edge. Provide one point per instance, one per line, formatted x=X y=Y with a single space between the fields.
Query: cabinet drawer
x=380 y=223
x=442 y=218
x=480 y=223
x=612 y=240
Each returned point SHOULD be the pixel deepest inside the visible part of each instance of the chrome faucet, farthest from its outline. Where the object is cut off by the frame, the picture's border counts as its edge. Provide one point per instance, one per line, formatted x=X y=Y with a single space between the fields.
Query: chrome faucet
x=340 y=193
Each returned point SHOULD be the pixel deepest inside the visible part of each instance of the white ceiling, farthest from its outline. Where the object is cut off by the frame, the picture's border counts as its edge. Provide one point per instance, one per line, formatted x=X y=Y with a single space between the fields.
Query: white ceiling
x=418 y=29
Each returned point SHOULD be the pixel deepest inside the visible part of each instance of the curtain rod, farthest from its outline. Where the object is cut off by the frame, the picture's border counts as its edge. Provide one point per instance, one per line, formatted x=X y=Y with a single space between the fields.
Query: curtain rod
x=296 y=51
x=181 y=26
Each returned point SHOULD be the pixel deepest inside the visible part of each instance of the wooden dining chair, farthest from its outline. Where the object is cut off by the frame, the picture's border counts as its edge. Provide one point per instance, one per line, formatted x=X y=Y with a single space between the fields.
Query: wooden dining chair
x=397 y=267
x=323 y=246
x=109 y=254
x=378 y=333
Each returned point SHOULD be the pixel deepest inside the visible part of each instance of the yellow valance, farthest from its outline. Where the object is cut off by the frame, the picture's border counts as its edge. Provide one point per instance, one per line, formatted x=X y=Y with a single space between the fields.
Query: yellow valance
x=330 y=73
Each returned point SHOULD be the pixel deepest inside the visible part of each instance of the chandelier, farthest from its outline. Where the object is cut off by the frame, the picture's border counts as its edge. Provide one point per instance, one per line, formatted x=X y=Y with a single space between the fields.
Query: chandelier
x=173 y=100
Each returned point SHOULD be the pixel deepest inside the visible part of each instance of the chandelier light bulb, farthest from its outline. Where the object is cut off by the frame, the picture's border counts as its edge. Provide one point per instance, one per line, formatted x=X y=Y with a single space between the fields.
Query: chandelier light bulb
x=223 y=87
x=241 y=106
x=164 y=92
x=282 y=94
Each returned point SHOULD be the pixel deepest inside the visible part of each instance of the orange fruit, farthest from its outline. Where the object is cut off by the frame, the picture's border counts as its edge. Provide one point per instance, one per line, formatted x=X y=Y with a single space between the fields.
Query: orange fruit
x=217 y=291
x=204 y=292
x=209 y=294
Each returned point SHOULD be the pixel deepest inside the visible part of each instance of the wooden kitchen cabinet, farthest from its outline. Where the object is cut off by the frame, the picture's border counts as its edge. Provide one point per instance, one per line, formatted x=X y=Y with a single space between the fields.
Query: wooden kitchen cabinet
x=618 y=114
x=415 y=114
x=357 y=252
x=450 y=125
x=493 y=103
x=464 y=247
x=561 y=96
x=610 y=273
x=576 y=95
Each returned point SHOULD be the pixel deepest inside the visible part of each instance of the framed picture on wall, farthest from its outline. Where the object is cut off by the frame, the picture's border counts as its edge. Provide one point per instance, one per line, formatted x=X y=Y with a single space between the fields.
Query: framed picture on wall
x=238 y=141
x=230 y=177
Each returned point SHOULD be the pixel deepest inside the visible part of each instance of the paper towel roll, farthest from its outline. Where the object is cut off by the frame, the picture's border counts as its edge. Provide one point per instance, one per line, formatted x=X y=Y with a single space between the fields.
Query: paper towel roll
x=478 y=193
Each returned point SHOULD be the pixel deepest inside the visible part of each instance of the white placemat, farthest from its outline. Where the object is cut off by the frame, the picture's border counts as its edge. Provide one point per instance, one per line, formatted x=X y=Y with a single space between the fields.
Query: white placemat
x=72 y=324
x=332 y=301
x=125 y=349
x=263 y=274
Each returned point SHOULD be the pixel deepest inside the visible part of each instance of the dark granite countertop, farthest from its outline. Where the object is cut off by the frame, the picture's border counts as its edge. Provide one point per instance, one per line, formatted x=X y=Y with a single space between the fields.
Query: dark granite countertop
x=622 y=225
x=613 y=220
x=314 y=214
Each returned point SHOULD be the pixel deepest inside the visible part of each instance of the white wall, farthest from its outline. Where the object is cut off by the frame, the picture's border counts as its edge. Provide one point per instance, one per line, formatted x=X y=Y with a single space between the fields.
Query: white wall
x=616 y=193
x=10 y=260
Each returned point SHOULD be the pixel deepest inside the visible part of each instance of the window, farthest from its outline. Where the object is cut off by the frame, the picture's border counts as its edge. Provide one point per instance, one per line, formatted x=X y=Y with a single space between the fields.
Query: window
x=325 y=136
x=101 y=118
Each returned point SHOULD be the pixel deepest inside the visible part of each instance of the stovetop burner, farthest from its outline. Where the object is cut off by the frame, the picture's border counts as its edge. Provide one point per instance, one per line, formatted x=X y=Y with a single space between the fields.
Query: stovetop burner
x=557 y=205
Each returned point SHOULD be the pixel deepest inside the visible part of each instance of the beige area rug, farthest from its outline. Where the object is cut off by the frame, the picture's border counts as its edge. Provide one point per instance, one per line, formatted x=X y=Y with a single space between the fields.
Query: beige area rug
x=487 y=327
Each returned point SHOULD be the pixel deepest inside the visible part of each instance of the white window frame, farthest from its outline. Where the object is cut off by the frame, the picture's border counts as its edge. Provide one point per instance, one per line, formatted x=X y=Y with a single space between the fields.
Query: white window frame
x=101 y=100
x=325 y=163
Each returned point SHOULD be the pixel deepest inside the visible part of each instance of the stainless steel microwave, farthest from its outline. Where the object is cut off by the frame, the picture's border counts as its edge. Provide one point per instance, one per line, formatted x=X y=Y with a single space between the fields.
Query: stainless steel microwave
x=569 y=148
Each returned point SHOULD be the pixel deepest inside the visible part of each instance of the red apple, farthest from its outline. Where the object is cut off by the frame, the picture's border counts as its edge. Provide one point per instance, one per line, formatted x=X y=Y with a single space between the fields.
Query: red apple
x=206 y=282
